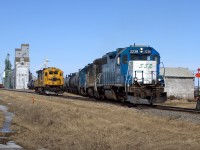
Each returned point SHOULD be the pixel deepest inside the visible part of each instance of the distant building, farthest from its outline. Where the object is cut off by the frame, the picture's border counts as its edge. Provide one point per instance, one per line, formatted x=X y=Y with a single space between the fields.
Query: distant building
x=179 y=82
x=22 y=67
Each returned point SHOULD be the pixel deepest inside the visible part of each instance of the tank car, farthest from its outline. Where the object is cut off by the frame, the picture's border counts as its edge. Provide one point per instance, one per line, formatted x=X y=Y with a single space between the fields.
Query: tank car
x=49 y=81
x=72 y=83
x=30 y=84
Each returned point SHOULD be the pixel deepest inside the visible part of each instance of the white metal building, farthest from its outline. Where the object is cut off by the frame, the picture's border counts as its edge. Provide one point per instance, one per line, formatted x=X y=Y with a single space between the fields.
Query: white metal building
x=179 y=82
x=22 y=66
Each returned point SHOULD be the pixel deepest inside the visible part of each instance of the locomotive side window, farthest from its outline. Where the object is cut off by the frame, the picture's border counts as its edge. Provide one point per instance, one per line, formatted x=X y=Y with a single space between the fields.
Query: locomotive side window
x=124 y=59
x=45 y=73
x=156 y=58
x=118 y=60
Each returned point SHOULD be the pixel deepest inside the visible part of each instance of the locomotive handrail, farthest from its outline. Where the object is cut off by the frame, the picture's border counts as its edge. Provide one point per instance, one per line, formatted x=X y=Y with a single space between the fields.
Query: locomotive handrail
x=127 y=80
x=97 y=80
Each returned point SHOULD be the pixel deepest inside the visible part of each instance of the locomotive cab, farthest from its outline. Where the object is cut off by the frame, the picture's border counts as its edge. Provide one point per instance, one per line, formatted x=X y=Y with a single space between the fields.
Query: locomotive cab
x=140 y=66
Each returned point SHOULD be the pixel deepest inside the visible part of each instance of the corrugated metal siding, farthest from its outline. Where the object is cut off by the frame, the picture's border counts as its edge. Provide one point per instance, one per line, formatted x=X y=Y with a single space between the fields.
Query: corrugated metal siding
x=176 y=72
x=179 y=82
x=180 y=88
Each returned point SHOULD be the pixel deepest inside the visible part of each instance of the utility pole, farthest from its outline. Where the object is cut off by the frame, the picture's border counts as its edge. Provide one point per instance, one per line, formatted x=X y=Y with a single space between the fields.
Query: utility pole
x=198 y=76
x=198 y=80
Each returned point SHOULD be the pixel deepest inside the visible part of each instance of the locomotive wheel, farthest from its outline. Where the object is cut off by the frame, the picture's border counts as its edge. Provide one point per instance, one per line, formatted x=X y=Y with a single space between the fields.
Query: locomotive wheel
x=90 y=92
x=102 y=94
x=96 y=95
x=151 y=100
x=36 y=90
x=102 y=97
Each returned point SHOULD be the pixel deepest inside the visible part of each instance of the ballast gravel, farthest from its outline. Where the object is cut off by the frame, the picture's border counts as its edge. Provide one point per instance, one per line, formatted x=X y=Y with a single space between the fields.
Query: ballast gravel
x=172 y=115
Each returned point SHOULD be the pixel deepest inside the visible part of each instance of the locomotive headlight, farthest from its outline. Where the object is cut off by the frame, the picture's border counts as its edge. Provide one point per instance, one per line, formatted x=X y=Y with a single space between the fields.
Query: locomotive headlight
x=161 y=80
x=135 y=79
x=141 y=50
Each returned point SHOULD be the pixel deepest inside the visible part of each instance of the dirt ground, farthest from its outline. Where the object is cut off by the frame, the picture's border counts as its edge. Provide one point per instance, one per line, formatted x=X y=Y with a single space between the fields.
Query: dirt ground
x=58 y=123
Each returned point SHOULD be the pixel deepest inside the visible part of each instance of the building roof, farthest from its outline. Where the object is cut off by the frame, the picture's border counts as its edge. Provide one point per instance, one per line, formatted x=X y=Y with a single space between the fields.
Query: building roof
x=176 y=72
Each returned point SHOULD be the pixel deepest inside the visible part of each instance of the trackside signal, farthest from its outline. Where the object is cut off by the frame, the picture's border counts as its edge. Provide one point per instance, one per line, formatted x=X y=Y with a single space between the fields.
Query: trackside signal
x=197 y=75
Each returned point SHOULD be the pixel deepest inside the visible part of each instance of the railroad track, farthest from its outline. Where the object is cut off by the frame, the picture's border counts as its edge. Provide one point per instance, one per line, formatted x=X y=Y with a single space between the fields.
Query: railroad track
x=169 y=108
x=189 y=110
x=23 y=91
x=137 y=106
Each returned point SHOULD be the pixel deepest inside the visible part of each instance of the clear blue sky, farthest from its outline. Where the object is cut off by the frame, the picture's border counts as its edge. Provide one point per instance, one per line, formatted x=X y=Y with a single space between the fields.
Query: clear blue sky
x=72 y=33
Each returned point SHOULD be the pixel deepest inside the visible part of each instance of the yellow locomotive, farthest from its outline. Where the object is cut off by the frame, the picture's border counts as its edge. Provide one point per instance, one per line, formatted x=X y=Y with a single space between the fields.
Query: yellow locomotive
x=49 y=81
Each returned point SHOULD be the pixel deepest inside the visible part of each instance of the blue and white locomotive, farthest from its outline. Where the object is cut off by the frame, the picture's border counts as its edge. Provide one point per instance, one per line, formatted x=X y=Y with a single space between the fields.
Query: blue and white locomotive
x=127 y=74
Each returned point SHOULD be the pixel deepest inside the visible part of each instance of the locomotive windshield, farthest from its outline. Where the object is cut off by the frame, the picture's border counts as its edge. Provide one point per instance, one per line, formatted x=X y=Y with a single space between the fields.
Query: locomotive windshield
x=53 y=72
x=143 y=57
x=140 y=57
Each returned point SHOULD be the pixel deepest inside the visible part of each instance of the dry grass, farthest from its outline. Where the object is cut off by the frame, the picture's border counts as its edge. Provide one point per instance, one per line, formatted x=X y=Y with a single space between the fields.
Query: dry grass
x=1 y=119
x=58 y=123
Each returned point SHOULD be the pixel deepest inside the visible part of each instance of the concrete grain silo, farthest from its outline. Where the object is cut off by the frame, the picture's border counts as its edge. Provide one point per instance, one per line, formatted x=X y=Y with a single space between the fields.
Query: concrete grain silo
x=22 y=66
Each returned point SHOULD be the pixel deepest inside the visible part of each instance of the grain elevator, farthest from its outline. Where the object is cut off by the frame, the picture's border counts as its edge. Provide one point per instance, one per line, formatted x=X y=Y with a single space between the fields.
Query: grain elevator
x=22 y=66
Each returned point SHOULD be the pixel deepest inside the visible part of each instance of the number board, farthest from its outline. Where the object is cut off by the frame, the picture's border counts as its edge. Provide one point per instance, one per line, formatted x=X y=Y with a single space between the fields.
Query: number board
x=134 y=51
x=147 y=51
x=141 y=51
